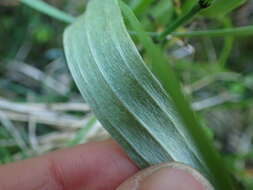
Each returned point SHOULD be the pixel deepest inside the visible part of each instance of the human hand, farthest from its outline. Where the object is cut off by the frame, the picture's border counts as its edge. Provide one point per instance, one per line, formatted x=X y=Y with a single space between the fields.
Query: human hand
x=95 y=166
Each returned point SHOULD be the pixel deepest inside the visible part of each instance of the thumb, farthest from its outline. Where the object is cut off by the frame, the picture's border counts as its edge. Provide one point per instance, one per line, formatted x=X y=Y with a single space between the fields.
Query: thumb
x=168 y=176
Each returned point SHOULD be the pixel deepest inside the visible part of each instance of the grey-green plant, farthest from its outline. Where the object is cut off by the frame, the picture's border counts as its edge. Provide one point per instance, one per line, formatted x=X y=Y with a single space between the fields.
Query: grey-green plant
x=142 y=104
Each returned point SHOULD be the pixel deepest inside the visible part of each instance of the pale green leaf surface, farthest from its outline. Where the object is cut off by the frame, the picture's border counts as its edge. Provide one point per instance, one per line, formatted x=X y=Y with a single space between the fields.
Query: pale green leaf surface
x=193 y=130
x=121 y=90
x=124 y=95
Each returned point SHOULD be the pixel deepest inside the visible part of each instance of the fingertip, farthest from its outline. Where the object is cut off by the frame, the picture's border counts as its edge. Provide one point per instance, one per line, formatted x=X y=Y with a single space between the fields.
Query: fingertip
x=98 y=165
x=167 y=176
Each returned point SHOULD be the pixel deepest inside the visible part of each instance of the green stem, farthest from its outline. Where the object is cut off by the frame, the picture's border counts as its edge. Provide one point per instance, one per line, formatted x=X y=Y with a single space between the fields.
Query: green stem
x=240 y=31
x=202 y=4
x=228 y=44
x=49 y=10
x=65 y=17
x=180 y=22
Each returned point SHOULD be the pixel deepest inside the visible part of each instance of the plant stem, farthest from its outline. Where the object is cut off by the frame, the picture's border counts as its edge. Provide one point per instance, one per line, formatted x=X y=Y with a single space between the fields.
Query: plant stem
x=228 y=44
x=202 y=4
x=180 y=22
x=49 y=10
x=65 y=17
x=240 y=31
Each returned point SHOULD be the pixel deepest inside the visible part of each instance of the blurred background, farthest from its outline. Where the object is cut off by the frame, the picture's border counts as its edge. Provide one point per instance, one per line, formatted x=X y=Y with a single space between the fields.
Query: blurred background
x=41 y=109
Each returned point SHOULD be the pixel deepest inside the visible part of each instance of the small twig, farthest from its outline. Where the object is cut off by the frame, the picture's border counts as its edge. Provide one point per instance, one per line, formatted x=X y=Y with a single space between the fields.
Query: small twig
x=45 y=113
x=37 y=75
x=97 y=132
x=43 y=107
x=59 y=122
x=9 y=2
x=212 y=101
x=224 y=76
x=55 y=138
x=78 y=107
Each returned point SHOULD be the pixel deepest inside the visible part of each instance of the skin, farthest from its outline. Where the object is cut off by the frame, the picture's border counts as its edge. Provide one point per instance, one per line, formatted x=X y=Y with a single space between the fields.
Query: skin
x=93 y=166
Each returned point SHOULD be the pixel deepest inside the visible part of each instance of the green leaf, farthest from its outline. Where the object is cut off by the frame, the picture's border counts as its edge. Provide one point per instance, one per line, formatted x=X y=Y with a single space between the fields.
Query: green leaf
x=127 y=98
x=161 y=14
x=218 y=7
x=164 y=72
x=188 y=4
x=141 y=5
x=228 y=43
x=222 y=7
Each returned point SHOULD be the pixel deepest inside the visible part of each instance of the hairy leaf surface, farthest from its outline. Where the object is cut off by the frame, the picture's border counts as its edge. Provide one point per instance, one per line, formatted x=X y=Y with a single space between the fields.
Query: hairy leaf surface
x=123 y=93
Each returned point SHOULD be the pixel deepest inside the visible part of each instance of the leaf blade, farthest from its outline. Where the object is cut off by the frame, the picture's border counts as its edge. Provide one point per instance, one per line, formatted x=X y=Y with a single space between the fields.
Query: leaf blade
x=222 y=7
x=164 y=72
x=125 y=96
x=147 y=86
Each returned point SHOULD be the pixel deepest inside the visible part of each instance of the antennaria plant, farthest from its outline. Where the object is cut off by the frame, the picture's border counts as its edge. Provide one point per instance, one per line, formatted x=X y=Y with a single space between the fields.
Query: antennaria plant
x=141 y=104
x=128 y=99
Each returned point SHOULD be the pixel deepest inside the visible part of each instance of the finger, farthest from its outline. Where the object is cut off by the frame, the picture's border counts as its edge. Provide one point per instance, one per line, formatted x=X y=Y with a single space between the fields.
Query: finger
x=94 y=166
x=167 y=176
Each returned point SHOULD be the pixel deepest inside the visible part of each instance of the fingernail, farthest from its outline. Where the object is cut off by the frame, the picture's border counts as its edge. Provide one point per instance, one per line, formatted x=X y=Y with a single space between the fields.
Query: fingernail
x=165 y=177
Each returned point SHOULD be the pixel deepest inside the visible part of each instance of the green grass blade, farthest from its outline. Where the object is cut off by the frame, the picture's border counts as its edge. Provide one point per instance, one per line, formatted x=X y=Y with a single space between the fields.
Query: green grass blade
x=222 y=7
x=228 y=44
x=187 y=5
x=128 y=99
x=80 y=135
x=141 y=5
x=45 y=8
x=162 y=12
x=218 y=7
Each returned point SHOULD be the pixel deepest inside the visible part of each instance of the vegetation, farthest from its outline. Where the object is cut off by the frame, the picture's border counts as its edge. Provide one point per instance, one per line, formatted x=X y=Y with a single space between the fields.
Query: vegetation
x=206 y=44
